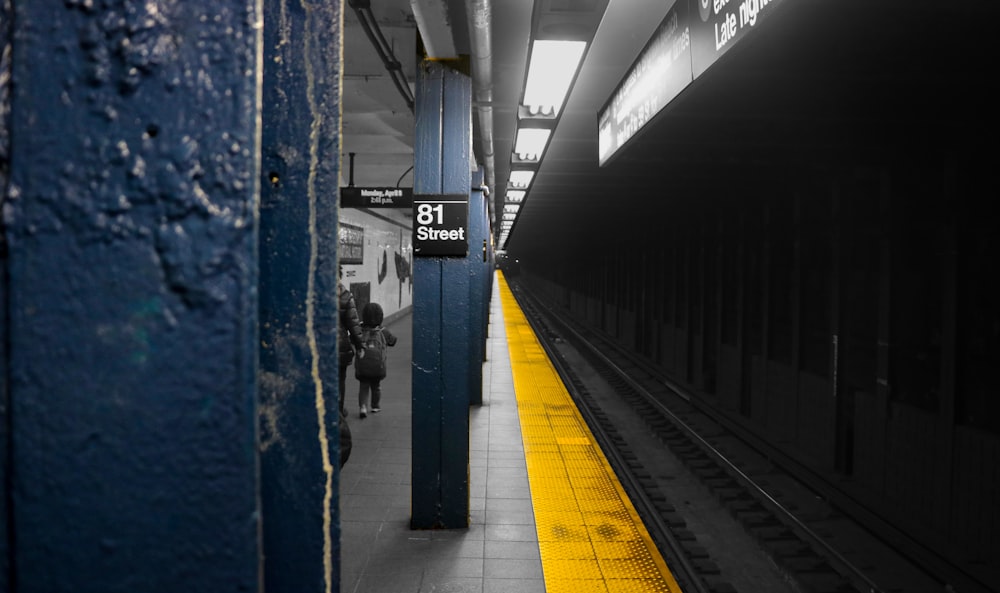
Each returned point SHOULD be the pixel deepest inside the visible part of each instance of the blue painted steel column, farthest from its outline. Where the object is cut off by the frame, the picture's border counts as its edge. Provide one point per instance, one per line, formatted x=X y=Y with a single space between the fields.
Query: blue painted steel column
x=441 y=336
x=131 y=220
x=6 y=38
x=477 y=258
x=299 y=428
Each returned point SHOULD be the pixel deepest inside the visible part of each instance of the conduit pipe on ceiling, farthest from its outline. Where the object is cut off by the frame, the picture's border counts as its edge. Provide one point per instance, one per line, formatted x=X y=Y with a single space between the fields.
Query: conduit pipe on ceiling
x=480 y=22
x=363 y=9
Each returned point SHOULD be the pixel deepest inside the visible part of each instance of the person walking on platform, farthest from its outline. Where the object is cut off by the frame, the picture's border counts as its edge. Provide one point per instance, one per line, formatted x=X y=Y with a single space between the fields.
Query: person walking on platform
x=370 y=369
x=349 y=330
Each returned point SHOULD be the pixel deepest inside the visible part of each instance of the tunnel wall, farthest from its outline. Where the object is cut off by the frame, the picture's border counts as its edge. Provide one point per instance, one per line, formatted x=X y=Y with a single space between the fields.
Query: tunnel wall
x=844 y=315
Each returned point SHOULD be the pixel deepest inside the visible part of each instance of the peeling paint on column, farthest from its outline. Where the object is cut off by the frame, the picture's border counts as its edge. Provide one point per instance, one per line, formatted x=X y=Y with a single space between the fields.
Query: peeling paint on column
x=298 y=420
x=279 y=387
x=324 y=442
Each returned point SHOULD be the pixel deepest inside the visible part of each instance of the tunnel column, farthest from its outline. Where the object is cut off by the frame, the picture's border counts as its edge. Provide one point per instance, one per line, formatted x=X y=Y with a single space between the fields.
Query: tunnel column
x=131 y=333
x=479 y=258
x=441 y=288
x=299 y=429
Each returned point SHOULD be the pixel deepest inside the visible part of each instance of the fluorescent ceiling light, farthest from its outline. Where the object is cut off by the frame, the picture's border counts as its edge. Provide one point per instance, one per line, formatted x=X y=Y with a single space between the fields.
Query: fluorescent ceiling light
x=531 y=142
x=515 y=195
x=509 y=216
x=551 y=70
x=521 y=179
x=511 y=208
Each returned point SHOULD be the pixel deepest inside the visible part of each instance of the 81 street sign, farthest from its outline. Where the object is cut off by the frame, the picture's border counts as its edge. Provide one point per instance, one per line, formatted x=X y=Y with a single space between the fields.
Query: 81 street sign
x=441 y=224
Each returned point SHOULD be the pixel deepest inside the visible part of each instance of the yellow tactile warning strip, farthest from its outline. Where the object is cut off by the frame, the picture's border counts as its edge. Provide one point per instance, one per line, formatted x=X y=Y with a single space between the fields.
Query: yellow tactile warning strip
x=590 y=536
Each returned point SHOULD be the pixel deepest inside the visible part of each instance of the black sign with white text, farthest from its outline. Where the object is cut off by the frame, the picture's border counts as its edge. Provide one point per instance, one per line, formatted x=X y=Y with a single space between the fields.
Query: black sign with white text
x=692 y=36
x=440 y=224
x=717 y=25
x=660 y=73
x=376 y=197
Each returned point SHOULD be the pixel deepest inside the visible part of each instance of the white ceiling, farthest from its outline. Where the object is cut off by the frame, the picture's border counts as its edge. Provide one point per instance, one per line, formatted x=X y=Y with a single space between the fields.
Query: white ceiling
x=377 y=124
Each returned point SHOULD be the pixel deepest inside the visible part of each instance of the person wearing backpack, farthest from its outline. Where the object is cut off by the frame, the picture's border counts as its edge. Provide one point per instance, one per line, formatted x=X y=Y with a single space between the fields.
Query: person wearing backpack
x=349 y=335
x=370 y=370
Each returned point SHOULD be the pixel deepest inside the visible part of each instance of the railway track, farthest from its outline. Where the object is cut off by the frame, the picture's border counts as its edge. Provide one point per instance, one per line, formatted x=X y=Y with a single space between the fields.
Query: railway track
x=659 y=443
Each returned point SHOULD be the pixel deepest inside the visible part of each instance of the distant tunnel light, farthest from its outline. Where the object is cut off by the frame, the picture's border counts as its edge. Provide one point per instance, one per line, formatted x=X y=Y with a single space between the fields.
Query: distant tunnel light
x=515 y=195
x=551 y=70
x=531 y=143
x=521 y=179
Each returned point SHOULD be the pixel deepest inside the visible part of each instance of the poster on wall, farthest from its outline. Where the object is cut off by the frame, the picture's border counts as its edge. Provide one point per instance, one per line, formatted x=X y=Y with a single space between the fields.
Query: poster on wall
x=351 y=243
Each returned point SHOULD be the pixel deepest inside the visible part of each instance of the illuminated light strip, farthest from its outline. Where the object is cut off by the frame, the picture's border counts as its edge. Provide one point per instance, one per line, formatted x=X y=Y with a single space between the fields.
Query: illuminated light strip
x=551 y=69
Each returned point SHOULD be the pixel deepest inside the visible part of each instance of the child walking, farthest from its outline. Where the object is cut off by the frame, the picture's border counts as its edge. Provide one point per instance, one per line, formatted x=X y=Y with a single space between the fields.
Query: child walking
x=370 y=370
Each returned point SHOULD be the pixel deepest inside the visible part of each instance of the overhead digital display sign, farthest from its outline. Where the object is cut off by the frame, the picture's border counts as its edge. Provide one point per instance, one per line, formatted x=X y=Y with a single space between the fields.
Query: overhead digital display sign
x=693 y=35
x=717 y=25
x=376 y=197
x=661 y=71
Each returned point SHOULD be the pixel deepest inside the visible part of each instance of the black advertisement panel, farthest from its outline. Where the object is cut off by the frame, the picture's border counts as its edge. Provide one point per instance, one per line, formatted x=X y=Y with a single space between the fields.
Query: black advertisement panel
x=660 y=73
x=716 y=26
x=440 y=224
x=376 y=197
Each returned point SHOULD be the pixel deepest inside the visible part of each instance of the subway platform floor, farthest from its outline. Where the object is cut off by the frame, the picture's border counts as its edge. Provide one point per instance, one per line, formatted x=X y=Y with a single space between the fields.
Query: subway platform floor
x=499 y=551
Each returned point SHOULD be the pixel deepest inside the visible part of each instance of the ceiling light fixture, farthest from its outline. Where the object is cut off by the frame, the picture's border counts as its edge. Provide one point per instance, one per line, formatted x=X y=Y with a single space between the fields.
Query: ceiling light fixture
x=521 y=179
x=531 y=143
x=551 y=69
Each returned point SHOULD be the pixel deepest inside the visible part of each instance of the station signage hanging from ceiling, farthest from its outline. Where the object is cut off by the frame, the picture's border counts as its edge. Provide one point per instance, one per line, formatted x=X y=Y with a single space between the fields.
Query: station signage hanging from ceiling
x=440 y=224
x=691 y=37
x=717 y=25
x=376 y=197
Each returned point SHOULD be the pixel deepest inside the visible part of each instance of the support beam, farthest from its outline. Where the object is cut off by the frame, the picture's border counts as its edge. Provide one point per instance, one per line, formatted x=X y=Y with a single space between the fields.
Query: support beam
x=132 y=313
x=298 y=249
x=441 y=334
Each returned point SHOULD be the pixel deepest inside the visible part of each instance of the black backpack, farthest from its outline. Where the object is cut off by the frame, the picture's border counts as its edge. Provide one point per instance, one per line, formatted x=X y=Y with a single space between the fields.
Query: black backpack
x=372 y=366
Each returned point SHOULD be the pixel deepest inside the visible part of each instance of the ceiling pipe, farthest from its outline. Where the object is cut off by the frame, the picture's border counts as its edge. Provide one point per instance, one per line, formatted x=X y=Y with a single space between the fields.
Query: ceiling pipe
x=480 y=23
x=363 y=9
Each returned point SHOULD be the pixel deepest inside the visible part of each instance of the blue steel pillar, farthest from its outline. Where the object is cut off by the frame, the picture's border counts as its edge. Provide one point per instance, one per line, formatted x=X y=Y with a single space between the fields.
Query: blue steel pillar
x=6 y=37
x=299 y=428
x=131 y=222
x=478 y=231
x=441 y=334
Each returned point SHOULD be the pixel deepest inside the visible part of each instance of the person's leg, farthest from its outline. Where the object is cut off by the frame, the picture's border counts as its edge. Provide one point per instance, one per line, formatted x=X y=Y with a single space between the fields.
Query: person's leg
x=342 y=393
x=363 y=397
x=376 y=395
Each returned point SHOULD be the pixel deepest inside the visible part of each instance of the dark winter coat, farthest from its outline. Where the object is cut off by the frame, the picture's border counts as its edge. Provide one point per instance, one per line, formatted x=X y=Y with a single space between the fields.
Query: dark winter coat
x=349 y=328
